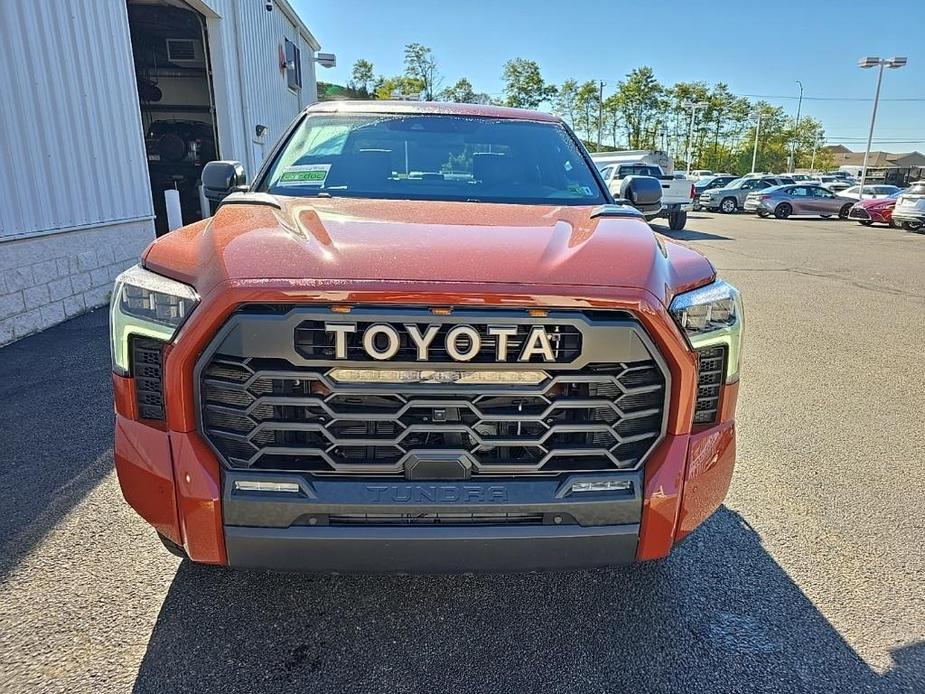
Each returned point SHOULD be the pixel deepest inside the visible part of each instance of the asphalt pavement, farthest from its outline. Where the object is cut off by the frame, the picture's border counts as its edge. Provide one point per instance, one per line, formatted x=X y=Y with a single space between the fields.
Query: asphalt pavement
x=811 y=578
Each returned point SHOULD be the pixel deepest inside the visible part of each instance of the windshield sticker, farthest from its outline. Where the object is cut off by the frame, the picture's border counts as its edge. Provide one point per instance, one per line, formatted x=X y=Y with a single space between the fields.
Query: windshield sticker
x=305 y=175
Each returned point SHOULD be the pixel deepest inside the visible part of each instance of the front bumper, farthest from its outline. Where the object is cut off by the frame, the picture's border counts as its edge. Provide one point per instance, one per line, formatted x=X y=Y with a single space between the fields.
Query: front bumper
x=900 y=215
x=173 y=479
x=385 y=525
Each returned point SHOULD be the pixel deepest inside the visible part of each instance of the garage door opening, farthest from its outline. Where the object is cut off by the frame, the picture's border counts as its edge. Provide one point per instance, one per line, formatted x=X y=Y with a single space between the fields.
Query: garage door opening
x=171 y=55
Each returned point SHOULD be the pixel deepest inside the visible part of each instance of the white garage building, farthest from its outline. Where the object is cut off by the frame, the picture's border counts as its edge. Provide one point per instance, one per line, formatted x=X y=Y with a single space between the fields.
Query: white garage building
x=108 y=102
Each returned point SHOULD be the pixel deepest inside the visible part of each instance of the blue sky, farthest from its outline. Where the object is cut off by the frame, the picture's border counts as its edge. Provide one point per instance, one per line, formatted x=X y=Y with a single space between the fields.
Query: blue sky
x=755 y=47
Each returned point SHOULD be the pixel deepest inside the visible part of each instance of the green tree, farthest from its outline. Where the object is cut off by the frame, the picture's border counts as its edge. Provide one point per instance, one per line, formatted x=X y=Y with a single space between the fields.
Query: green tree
x=362 y=76
x=640 y=101
x=524 y=86
x=587 y=103
x=564 y=104
x=421 y=65
x=401 y=87
x=463 y=93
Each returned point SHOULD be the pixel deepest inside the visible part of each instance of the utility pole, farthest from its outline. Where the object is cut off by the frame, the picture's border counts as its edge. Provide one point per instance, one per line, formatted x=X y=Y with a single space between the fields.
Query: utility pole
x=693 y=106
x=757 y=115
x=600 y=116
x=796 y=131
x=865 y=63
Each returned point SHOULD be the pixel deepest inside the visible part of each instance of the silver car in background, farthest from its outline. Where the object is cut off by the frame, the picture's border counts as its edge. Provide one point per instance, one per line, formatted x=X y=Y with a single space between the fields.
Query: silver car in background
x=799 y=199
x=732 y=197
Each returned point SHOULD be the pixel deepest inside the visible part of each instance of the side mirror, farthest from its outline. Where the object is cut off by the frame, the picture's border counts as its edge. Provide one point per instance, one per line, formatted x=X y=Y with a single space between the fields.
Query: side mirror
x=641 y=190
x=222 y=178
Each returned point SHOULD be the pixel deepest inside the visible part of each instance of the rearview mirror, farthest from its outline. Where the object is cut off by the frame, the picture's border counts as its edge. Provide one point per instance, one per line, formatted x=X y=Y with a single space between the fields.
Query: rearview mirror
x=222 y=178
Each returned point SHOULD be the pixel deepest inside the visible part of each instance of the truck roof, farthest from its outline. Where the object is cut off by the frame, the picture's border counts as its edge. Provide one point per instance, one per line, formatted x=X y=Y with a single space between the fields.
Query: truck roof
x=411 y=107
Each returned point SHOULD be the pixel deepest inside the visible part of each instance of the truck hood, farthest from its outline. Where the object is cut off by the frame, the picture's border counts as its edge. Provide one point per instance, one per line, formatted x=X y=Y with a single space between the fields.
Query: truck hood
x=342 y=239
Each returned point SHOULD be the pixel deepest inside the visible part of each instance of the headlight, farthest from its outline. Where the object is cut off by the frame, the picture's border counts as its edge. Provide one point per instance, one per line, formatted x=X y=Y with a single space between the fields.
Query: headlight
x=712 y=316
x=146 y=304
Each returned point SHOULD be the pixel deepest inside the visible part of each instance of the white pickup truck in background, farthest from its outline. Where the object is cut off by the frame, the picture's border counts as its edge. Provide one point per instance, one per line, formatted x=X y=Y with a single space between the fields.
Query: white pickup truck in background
x=677 y=193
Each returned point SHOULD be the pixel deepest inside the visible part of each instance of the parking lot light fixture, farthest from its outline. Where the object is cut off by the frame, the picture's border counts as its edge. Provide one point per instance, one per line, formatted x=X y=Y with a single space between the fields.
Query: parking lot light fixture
x=693 y=106
x=868 y=62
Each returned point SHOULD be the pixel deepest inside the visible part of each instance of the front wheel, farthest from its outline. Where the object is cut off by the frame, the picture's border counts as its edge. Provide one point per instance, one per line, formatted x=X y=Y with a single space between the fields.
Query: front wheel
x=763 y=213
x=728 y=205
x=845 y=209
x=783 y=210
x=912 y=226
x=865 y=222
x=677 y=220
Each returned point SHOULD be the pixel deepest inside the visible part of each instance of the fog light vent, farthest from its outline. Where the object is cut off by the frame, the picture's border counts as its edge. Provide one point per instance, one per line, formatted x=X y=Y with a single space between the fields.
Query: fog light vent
x=148 y=372
x=712 y=366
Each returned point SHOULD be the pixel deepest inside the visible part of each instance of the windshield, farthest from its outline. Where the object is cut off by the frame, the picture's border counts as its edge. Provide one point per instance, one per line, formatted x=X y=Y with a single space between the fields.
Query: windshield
x=433 y=157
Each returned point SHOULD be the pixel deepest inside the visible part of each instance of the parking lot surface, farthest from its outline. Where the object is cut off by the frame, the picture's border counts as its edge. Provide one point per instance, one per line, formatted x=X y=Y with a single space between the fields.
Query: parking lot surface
x=809 y=579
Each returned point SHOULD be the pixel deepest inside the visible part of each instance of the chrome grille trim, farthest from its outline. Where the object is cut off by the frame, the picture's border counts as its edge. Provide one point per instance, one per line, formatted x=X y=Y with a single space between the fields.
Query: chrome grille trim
x=258 y=409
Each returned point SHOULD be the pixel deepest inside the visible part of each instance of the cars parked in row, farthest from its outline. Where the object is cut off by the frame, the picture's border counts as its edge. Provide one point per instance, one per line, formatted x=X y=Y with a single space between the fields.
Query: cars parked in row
x=799 y=199
x=909 y=211
x=731 y=198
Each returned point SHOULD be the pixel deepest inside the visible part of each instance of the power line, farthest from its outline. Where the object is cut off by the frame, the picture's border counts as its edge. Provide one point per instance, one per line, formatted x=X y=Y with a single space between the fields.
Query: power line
x=825 y=98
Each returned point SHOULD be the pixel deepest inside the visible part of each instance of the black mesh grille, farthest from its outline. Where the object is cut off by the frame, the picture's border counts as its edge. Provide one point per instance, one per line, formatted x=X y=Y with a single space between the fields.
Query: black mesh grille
x=314 y=342
x=270 y=414
x=709 y=384
x=148 y=370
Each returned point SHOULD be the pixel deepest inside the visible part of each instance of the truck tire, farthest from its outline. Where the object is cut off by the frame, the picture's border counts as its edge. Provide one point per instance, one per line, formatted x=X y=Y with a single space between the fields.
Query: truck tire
x=728 y=205
x=677 y=220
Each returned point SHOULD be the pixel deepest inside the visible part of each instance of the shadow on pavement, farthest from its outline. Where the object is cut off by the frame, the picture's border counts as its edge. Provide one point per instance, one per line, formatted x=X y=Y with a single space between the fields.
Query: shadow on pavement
x=688 y=234
x=719 y=616
x=58 y=446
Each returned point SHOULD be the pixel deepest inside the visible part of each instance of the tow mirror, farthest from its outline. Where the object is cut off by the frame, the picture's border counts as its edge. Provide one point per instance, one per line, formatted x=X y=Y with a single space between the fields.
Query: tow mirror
x=222 y=178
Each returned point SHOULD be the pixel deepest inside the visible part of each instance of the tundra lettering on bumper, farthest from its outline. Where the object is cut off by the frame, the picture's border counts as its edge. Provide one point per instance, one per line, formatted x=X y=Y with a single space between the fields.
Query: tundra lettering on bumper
x=342 y=525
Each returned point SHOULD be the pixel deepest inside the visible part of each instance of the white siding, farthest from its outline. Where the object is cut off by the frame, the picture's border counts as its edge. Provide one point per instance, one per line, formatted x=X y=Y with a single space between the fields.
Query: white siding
x=250 y=88
x=71 y=144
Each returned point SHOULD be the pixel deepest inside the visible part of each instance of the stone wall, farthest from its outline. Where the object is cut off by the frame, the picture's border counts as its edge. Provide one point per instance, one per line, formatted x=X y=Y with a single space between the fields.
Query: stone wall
x=47 y=279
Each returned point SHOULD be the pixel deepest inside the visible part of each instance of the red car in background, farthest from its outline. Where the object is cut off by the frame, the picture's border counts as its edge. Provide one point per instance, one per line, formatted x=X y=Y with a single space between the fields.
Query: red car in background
x=879 y=210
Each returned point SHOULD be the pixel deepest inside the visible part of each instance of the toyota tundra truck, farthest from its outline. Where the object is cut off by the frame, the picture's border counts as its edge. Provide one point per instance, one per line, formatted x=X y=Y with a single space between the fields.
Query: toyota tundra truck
x=424 y=338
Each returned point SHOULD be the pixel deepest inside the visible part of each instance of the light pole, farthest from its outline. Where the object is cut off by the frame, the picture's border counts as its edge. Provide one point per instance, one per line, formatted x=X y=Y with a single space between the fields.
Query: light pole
x=812 y=165
x=796 y=131
x=867 y=62
x=757 y=116
x=693 y=106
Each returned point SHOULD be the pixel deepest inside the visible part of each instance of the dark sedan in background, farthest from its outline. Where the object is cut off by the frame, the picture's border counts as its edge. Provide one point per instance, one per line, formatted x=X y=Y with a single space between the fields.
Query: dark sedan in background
x=702 y=185
x=783 y=201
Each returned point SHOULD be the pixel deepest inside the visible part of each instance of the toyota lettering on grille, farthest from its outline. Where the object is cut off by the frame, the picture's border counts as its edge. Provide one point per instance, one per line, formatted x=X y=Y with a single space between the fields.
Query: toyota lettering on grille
x=382 y=341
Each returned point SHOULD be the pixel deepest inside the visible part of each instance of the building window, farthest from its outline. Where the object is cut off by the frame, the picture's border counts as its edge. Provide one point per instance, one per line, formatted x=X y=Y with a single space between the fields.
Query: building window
x=293 y=66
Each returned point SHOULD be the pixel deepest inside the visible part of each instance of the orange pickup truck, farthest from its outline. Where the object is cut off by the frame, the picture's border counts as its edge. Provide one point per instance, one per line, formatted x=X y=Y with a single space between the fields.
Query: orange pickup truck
x=425 y=338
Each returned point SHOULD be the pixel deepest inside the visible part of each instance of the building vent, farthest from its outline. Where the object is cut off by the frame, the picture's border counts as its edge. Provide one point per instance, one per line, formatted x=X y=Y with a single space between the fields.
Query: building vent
x=185 y=52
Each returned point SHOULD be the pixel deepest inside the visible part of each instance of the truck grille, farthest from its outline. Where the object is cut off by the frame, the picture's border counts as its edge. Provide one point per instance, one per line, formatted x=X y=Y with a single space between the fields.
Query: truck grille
x=307 y=413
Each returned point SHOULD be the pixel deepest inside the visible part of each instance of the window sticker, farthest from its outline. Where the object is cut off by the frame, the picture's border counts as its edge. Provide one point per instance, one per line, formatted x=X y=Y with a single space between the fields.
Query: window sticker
x=305 y=175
